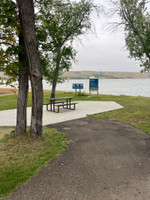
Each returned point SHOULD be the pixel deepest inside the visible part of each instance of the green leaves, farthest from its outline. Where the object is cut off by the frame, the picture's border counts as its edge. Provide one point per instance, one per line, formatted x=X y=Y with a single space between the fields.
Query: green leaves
x=9 y=29
x=136 y=19
x=58 y=24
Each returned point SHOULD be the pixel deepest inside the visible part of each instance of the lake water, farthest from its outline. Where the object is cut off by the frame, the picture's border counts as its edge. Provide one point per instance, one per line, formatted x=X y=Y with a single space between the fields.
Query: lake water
x=131 y=87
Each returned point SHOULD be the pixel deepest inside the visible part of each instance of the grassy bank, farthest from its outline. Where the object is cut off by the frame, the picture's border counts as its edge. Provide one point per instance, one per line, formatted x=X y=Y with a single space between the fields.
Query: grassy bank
x=136 y=111
x=22 y=157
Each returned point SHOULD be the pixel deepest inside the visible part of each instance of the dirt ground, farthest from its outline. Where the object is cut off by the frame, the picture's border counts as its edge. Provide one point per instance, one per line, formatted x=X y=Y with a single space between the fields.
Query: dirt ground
x=9 y=90
x=106 y=161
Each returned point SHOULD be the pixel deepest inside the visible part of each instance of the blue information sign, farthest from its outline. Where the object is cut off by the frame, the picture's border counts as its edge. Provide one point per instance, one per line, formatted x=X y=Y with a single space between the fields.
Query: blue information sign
x=77 y=86
x=93 y=85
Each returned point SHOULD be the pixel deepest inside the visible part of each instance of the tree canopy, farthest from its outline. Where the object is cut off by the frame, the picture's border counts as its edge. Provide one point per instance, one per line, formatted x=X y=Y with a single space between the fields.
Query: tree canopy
x=59 y=23
x=136 y=20
x=9 y=42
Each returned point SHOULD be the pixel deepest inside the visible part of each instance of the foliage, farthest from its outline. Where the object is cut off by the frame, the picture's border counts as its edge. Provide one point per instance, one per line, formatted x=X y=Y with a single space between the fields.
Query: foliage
x=136 y=20
x=9 y=44
x=60 y=22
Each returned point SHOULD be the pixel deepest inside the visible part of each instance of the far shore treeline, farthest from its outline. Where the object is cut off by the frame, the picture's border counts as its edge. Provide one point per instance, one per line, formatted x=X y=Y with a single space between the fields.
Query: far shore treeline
x=105 y=75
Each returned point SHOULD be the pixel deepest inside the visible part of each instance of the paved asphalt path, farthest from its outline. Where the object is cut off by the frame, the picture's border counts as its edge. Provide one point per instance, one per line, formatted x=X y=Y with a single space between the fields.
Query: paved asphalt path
x=107 y=161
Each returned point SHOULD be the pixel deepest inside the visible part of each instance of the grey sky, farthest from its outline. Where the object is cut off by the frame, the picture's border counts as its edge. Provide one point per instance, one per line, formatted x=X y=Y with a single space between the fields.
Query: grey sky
x=107 y=52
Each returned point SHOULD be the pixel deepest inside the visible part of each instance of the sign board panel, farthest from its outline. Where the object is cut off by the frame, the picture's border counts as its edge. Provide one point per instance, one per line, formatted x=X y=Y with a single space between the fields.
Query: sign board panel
x=77 y=86
x=93 y=85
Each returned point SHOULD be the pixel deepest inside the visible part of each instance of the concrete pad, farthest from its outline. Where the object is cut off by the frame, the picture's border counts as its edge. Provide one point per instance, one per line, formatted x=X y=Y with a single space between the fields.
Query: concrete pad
x=83 y=108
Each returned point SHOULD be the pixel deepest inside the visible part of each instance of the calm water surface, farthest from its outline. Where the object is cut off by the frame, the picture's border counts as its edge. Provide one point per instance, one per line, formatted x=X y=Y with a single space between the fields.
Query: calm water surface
x=131 y=87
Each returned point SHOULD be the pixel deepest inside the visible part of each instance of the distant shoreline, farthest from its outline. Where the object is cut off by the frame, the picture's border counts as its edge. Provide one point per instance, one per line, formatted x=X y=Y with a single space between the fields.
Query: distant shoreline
x=100 y=75
x=105 y=75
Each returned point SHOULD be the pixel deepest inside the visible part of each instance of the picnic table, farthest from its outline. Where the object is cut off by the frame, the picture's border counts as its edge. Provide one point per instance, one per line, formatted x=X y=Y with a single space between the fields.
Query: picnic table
x=55 y=103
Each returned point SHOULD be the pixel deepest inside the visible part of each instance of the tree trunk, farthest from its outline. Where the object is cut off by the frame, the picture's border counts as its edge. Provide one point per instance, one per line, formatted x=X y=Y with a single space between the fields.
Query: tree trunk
x=53 y=88
x=26 y=10
x=56 y=74
x=23 y=90
x=22 y=104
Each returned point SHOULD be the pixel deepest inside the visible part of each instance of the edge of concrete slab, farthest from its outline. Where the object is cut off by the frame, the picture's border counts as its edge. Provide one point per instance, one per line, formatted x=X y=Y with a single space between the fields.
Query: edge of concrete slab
x=83 y=108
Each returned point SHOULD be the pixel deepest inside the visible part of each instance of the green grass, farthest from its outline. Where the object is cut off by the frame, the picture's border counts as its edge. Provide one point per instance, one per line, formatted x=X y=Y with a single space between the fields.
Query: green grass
x=10 y=102
x=136 y=111
x=21 y=157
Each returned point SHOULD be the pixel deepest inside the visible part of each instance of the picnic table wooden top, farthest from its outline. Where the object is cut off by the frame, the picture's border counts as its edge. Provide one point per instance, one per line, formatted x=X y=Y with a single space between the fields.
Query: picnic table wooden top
x=60 y=98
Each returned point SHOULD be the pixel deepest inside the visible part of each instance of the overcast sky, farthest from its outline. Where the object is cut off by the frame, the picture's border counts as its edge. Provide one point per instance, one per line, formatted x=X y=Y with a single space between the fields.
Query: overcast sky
x=106 y=52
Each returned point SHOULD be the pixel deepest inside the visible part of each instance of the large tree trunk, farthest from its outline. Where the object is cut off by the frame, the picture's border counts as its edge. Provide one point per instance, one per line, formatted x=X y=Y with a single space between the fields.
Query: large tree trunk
x=26 y=10
x=23 y=90
x=22 y=104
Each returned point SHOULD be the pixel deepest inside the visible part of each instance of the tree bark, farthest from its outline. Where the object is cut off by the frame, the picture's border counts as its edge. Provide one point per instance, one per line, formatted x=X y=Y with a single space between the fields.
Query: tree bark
x=22 y=105
x=56 y=74
x=23 y=90
x=53 y=89
x=26 y=9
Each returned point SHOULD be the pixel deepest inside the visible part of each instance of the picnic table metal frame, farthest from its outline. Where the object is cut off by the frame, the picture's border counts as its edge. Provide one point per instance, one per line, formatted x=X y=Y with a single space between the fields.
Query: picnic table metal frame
x=64 y=102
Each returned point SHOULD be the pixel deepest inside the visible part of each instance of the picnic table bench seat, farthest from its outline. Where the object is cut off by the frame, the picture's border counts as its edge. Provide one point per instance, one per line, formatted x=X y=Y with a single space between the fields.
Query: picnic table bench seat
x=65 y=105
x=53 y=103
